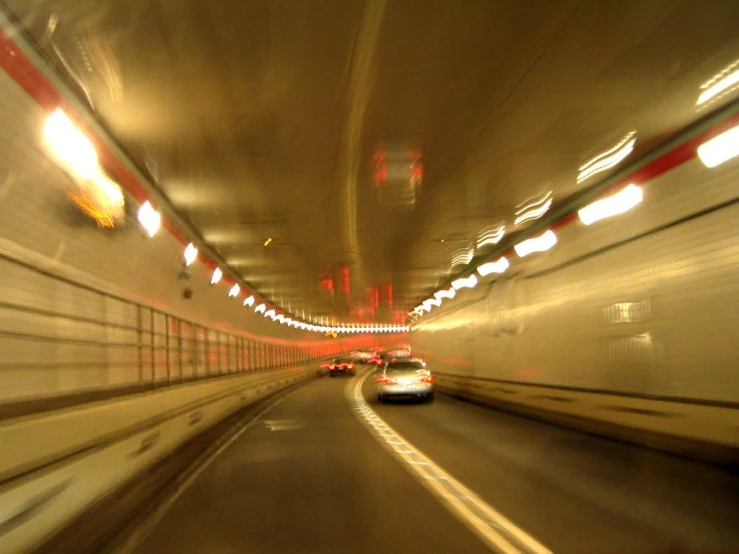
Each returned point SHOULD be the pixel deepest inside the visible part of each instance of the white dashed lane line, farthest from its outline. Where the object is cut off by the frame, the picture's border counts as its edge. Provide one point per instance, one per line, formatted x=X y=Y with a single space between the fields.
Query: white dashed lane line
x=498 y=532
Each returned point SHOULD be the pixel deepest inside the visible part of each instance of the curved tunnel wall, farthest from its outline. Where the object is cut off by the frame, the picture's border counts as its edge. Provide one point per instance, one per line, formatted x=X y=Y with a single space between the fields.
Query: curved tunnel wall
x=630 y=322
x=105 y=365
x=85 y=307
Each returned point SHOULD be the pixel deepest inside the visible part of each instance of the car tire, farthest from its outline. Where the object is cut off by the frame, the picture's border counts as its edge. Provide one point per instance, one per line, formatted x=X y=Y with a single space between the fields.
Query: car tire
x=429 y=398
x=380 y=399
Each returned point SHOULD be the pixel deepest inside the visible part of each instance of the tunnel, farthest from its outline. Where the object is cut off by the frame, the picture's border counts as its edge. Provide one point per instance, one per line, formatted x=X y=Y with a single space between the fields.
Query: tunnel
x=352 y=276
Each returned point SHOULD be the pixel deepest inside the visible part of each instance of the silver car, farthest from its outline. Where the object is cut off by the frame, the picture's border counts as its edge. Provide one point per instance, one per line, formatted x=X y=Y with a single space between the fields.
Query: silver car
x=405 y=378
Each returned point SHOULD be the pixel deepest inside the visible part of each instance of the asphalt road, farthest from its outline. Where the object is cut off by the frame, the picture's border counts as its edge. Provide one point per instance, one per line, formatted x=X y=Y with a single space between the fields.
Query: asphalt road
x=309 y=477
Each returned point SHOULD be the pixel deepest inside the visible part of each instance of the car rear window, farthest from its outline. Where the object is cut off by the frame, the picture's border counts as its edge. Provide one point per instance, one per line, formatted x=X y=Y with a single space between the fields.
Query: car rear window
x=404 y=366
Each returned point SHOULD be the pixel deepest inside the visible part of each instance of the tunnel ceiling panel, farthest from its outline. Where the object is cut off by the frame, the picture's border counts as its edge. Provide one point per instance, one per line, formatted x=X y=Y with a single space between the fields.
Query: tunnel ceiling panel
x=339 y=154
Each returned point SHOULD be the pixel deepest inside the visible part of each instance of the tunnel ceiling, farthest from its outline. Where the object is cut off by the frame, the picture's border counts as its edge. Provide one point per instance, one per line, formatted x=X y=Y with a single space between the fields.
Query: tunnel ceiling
x=366 y=143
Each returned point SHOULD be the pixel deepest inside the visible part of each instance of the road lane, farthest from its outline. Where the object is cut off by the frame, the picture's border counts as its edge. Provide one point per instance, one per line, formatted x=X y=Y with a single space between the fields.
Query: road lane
x=573 y=491
x=308 y=478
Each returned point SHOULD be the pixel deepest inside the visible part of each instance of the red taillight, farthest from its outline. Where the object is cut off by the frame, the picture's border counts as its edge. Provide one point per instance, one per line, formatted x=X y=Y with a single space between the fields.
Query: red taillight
x=351 y=366
x=385 y=380
x=427 y=379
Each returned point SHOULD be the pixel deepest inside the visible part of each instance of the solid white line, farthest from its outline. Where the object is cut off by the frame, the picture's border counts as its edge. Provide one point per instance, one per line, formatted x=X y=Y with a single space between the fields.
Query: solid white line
x=461 y=501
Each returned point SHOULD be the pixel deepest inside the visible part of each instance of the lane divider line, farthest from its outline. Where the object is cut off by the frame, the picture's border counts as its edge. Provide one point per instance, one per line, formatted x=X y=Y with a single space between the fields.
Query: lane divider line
x=496 y=531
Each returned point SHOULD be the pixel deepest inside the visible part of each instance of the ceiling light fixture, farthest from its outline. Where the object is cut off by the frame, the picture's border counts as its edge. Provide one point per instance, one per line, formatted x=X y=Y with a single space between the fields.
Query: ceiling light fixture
x=261 y=308
x=498 y=266
x=234 y=291
x=462 y=256
x=609 y=158
x=616 y=204
x=217 y=274
x=532 y=209
x=270 y=313
x=536 y=244
x=491 y=236
x=266 y=242
x=722 y=83
x=249 y=301
x=720 y=148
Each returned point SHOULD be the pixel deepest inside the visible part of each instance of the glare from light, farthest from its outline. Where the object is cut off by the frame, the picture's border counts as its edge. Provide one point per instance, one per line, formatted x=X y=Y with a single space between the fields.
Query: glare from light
x=498 y=266
x=450 y=293
x=541 y=243
x=217 y=274
x=149 y=218
x=621 y=202
x=532 y=209
x=269 y=313
x=249 y=301
x=261 y=308
x=720 y=149
x=234 y=291
x=191 y=254
x=100 y=198
x=609 y=158
x=465 y=282
x=491 y=236
x=70 y=145
x=107 y=192
x=723 y=83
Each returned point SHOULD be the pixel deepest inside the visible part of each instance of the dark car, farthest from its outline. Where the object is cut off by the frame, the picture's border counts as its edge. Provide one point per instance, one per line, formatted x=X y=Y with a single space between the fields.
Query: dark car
x=339 y=366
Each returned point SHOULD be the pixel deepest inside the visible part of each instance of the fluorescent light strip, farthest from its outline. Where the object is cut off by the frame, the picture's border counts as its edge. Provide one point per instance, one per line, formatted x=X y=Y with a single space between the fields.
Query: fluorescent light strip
x=498 y=266
x=621 y=202
x=720 y=149
x=543 y=242
x=609 y=158
x=465 y=282
x=450 y=293
x=723 y=83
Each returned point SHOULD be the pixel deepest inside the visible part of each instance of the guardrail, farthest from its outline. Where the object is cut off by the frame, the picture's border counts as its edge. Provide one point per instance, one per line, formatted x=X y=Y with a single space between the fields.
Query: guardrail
x=699 y=429
x=57 y=464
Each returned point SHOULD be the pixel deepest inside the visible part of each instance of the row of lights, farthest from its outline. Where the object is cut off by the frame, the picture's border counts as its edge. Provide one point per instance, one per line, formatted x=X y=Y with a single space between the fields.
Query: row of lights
x=77 y=155
x=723 y=83
x=712 y=153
